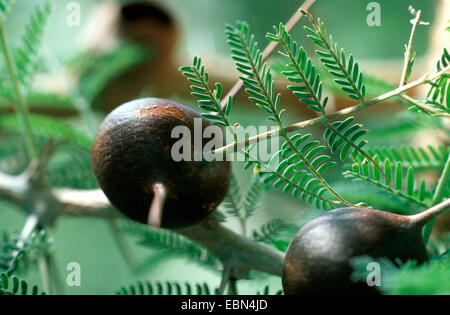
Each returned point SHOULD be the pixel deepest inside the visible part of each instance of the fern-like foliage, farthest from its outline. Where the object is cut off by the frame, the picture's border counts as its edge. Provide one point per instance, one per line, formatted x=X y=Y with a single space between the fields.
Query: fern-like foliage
x=346 y=70
x=176 y=244
x=298 y=151
x=46 y=127
x=11 y=285
x=243 y=207
x=418 y=158
x=177 y=288
x=403 y=186
x=26 y=57
x=256 y=75
x=12 y=256
x=253 y=196
x=70 y=167
x=268 y=230
x=340 y=135
x=374 y=86
x=232 y=201
x=439 y=94
x=259 y=84
x=408 y=278
x=208 y=100
x=345 y=136
x=166 y=288
x=300 y=70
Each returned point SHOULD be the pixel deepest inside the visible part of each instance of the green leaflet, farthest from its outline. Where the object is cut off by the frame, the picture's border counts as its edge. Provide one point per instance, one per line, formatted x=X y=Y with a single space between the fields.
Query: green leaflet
x=164 y=239
x=418 y=158
x=11 y=256
x=166 y=288
x=346 y=70
x=232 y=201
x=11 y=285
x=208 y=100
x=300 y=70
x=256 y=75
x=306 y=185
x=269 y=230
x=339 y=134
x=176 y=288
x=403 y=180
x=300 y=160
x=409 y=278
x=439 y=94
x=253 y=196
x=243 y=207
x=346 y=137
x=26 y=57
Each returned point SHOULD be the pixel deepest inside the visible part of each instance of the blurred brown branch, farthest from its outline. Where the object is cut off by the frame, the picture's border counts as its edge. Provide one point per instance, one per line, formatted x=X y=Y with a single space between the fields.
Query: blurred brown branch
x=243 y=254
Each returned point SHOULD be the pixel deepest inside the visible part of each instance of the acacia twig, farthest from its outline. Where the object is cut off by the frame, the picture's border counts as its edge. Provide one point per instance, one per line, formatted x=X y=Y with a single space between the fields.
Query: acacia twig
x=323 y=119
x=239 y=85
x=423 y=107
x=415 y=22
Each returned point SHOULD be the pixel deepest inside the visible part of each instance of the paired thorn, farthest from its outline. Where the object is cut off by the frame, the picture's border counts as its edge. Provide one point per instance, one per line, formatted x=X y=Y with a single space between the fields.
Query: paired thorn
x=157 y=206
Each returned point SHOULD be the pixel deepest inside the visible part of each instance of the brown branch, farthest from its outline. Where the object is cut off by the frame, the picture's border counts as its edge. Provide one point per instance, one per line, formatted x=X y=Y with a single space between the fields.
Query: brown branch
x=238 y=86
x=243 y=253
x=90 y=203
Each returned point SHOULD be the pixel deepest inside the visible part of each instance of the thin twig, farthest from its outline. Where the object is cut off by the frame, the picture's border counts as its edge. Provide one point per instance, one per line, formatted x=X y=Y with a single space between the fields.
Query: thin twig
x=431 y=213
x=323 y=119
x=415 y=22
x=238 y=86
x=406 y=62
x=423 y=106
x=337 y=59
